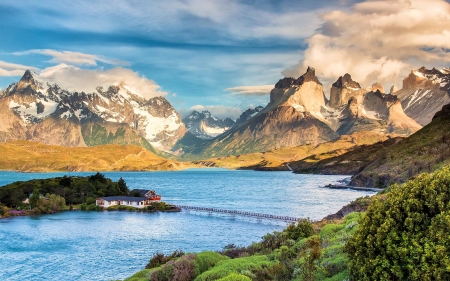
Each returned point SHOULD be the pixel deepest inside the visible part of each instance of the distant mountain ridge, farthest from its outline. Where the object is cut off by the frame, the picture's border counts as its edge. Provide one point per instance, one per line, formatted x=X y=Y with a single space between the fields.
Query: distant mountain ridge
x=299 y=113
x=38 y=110
x=206 y=126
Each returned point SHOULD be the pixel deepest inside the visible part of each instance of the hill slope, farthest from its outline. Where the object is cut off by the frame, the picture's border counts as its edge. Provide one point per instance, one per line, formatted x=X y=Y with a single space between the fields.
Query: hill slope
x=380 y=164
x=278 y=159
x=29 y=156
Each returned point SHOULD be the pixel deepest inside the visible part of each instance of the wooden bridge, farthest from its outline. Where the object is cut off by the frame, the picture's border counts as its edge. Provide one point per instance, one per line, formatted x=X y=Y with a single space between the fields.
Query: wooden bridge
x=259 y=216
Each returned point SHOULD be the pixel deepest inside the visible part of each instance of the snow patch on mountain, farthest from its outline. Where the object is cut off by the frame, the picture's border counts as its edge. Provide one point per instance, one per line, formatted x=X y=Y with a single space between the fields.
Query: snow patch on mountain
x=206 y=126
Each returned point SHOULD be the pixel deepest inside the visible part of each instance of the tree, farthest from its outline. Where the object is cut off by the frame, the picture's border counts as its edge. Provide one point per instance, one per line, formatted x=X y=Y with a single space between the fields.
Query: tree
x=123 y=188
x=66 y=181
x=34 y=198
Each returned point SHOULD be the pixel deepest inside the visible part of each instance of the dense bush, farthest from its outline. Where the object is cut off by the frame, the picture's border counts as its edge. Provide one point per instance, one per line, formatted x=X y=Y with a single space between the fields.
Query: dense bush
x=303 y=229
x=51 y=203
x=182 y=269
x=159 y=259
x=406 y=235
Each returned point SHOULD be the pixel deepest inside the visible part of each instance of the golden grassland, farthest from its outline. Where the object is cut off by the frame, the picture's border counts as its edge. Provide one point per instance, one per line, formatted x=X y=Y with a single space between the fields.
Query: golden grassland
x=29 y=156
x=277 y=159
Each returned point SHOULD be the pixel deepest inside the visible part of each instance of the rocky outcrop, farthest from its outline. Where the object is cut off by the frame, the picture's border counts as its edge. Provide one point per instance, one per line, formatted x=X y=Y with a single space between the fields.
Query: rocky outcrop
x=206 y=126
x=246 y=115
x=376 y=87
x=378 y=113
x=424 y=92
x=393 y=90
x=35 y=109
x=292 y=118
x=344 y=89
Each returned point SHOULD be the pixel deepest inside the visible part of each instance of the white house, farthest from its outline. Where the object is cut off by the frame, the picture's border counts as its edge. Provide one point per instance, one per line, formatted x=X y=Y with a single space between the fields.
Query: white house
x=136 y=202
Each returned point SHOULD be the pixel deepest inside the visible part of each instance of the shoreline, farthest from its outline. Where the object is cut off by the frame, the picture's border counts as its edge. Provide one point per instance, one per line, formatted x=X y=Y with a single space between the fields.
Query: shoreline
x=357 y=188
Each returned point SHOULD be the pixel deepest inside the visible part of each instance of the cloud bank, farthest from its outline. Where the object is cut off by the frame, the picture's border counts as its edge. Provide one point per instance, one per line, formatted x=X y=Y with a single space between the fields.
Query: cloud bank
x=13 y=69
x=77 y=79
x=70 y=57
x=261 y=90
x=379 y=41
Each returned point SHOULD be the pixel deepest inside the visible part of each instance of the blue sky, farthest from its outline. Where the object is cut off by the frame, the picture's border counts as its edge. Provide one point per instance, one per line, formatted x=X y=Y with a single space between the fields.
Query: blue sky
x=218 y=55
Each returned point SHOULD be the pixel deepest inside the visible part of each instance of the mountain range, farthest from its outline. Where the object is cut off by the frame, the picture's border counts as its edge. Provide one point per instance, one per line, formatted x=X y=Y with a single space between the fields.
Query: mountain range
x=298 y=114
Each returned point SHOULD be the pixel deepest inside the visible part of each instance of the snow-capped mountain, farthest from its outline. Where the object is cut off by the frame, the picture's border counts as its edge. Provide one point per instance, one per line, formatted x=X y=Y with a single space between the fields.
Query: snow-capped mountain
x=40 y=110
x=206 y=126
x=424 y=92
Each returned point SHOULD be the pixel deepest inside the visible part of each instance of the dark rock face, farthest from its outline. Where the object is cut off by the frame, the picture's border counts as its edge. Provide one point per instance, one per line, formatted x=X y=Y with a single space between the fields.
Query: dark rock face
x=310 y=75
x=343 y=89
x=346 y=81
x=443 y=113
x=246 y=115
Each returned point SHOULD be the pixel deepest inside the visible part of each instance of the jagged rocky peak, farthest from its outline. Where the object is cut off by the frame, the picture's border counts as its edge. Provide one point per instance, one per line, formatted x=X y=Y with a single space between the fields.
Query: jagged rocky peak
x=427 y=78
x=310 y=75
x=376 y=87
x=247 y=114
x=31 y=79
x=346 y=81
x=304 y=93
x=379 y=102
x=206 y=126
x=343 y=89
x=393 y=89
x=35 y=105
x=424 y=92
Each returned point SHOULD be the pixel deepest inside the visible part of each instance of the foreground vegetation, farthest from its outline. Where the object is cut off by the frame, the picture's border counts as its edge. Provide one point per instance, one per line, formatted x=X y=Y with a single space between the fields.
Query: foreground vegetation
x=403 y=235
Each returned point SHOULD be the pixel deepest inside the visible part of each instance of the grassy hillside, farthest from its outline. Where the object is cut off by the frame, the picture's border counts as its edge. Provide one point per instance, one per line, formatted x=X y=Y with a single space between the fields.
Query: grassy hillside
x=31 y=156
x=277 y=159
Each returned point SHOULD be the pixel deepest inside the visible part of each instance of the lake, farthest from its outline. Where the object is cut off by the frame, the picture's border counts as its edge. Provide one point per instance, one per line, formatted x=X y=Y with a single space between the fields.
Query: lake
x=82 y=245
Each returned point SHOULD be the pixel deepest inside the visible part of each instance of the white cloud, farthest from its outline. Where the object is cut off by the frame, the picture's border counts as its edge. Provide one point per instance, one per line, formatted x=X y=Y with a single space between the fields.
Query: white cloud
x=261 y=90
x=13 y=69
x=379 y=41
x=69 y=57
x=220 y=111
x=77 y=79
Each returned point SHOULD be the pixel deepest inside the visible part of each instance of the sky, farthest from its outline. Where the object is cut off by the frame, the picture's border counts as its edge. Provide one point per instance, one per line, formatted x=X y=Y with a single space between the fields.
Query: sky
x=219 y=55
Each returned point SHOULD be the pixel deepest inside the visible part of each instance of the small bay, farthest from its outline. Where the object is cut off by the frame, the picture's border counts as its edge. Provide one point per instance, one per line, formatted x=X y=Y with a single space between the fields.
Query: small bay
x=81 y=245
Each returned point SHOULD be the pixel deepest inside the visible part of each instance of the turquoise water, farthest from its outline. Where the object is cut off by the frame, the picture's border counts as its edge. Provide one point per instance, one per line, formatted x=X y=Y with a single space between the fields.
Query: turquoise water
x=113 y=245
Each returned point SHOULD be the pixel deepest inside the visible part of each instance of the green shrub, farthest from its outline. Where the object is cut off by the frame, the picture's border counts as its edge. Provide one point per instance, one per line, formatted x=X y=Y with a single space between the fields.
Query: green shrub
x=406 y=235
x=94 y=207
x=142 y=275
x=90 y=200
x=330 y=230
x=303 y=229
x=235 y=277
x=239 y=265
x=83 y=207
x=207 y=260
